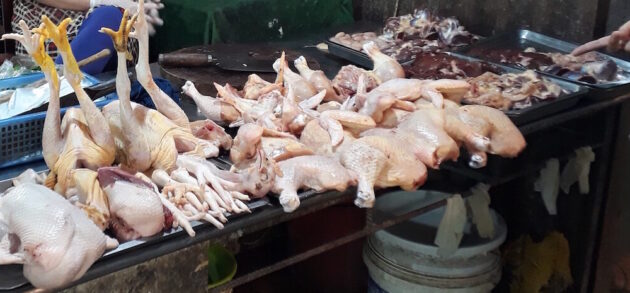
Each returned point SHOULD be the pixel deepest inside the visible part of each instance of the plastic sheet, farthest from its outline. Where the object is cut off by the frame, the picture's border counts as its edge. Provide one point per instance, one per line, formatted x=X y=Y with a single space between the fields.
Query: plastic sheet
x=479 y=204
x=451 y=229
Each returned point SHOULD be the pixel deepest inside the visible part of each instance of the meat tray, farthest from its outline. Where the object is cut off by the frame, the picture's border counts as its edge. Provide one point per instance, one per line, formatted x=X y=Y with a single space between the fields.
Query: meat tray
x=522 y=39
x=542 y=109
x=128 y=253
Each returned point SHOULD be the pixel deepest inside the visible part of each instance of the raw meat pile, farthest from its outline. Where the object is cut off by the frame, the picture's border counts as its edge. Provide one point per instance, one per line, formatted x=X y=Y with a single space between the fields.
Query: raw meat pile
x=591 y=67
x=511 y=91
x=490 y=85
x=405 y=36
x=373 y=128
x=133 y=172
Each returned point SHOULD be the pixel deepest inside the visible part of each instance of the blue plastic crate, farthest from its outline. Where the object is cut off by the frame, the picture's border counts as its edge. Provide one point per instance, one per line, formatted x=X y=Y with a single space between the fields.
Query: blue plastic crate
x=21 y=136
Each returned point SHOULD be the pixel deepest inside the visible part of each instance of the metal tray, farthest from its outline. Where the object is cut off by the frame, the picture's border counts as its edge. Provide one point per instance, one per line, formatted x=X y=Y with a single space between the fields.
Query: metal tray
x=523 y=39
x=542 y=109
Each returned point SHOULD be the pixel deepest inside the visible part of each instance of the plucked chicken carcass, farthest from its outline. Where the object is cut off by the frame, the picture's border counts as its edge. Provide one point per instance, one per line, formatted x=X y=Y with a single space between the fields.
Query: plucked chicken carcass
x=59 y=243
x=314 y=172
x=145 y=138
x=83 y=139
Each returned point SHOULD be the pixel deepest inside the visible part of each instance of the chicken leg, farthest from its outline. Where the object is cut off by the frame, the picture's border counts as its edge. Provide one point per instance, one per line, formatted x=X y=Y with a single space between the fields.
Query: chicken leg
x=163 y=103
x=317 y=79
x=98 y=127
x=137 y=150
x=385 y=67
x=52 y=141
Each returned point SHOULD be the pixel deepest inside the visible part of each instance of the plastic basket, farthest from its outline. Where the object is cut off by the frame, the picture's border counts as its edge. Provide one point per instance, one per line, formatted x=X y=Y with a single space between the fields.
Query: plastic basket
x=21 y=136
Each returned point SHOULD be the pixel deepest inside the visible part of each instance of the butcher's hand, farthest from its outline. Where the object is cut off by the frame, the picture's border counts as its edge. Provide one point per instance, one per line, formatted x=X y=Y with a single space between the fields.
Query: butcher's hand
x=616 y=41
x=151 y=10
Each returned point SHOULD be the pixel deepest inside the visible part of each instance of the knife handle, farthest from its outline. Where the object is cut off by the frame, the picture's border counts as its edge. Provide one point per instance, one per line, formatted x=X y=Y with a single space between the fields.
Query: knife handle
x=184 y=59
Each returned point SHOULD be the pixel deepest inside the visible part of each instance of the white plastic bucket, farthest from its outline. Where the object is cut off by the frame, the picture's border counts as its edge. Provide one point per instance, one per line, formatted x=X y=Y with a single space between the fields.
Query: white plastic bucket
x=403 y=258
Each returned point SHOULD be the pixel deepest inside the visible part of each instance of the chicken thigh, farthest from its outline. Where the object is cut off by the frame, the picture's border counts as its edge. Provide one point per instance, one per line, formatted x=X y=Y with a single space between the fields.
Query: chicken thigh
x=315 y=172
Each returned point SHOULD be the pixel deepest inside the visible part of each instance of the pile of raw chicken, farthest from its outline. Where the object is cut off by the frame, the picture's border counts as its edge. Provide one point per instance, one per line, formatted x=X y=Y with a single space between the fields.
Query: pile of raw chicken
x=133 y=172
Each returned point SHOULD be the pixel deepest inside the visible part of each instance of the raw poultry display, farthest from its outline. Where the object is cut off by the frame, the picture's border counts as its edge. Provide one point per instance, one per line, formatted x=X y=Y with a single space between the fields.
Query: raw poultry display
x=135 y=172
x=489 y=85
x=405 y=36
x=592 y=67
x=385 y=132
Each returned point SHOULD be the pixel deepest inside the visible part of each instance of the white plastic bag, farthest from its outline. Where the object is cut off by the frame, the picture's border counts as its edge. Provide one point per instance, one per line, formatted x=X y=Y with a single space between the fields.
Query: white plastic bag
x=548 y=184
x=479 y=204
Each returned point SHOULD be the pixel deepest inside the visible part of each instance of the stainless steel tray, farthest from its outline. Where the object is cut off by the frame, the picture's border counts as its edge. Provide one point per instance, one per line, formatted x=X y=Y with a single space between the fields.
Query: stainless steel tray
x=544 y=108
x=522 y=39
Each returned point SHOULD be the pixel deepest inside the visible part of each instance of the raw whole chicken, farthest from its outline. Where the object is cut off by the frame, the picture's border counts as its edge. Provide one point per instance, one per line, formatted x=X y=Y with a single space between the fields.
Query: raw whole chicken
x=82 y=139
x=145 y=138
x=318 y=79
x=314 y=172
x=59 y=243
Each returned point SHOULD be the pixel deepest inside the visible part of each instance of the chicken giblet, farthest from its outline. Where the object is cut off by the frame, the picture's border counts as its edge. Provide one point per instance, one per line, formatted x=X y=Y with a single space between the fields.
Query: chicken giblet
x=315 y=172
x=210 y=131
x=346 y=80
x=59 y=243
